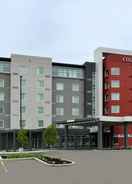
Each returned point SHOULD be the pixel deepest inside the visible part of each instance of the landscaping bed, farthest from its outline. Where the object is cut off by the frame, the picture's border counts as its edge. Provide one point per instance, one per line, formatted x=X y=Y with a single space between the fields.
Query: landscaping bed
x=38 y=156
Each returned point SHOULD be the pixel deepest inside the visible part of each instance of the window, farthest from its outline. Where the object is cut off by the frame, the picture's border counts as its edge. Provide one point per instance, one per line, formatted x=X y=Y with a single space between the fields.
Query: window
x=59 y=111
x=1 y=83
x=1 y=123
x=40 y=96
x=115 y=71
x=40 y=110
x=115 y=83
x=59 y=99
x=40 y=71
x=23 y=96
x=59 y=86
x=75 y=87
x=67 y=72
x=23 y=123
x=2 y=96
x=23 y=82
x=40 y=83
x=23 y=109
x=4 y=67
x=75 y=99
x=75 y=112
x=115 y=109
x=1 y=107
x=40 y=123
x=115 y=96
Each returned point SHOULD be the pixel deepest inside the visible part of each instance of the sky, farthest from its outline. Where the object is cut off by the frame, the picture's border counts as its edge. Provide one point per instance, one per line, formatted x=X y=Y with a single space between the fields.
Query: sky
x=67 y=30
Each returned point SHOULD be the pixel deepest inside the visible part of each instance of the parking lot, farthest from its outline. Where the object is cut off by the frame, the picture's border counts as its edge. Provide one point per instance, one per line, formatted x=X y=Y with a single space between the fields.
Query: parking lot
x=101 y=167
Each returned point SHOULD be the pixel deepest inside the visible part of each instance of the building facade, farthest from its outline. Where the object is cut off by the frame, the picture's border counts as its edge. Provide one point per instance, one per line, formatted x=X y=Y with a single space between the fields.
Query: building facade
x=113 y=96
x=35 y=92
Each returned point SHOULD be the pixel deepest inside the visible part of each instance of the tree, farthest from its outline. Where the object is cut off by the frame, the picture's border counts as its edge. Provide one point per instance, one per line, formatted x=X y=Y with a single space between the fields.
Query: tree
x=50 y=135
x=22 y=137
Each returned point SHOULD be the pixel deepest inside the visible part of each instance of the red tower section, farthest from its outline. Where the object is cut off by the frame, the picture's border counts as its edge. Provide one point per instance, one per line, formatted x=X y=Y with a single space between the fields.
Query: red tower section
x=117 y=85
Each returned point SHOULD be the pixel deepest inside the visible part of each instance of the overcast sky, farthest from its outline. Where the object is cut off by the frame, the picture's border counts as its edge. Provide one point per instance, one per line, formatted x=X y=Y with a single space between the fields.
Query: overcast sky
x=67 y=30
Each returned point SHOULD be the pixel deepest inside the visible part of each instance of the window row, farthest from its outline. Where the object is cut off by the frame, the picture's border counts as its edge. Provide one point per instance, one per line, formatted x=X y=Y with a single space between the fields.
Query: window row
x=114 y=109
x=40 y=123
x=114 y=96
x=115 y=71
x=67 y=72
x=60 y=99
x=60 y=87
x=40 y=109
x=114 y=84
x=60 y=111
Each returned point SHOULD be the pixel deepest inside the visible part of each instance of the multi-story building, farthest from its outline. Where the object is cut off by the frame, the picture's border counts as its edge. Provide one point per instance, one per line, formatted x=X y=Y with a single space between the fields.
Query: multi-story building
x=114 y=96
x=34 y=92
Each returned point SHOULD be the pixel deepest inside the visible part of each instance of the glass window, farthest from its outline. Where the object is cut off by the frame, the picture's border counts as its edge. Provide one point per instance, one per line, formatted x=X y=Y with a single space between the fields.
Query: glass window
x=115 y=83
x=67 y=72
x=75 y=99
x=40 y=83
x=115 y=71
x=1 y=83
x=59 y=111
x=1 y=108
x=4 y=67
x=2 y=96
x=75 y=111
x=40 y=123
x=75 y=87
x=40 y=71
x=23 y=108
x=1 y=123
x=115 y=96
x=59 y=99
x=23 y=123
x=40 y=96
x=40 y=110
x=59 y=86
x=23 y=96
x=115 y=109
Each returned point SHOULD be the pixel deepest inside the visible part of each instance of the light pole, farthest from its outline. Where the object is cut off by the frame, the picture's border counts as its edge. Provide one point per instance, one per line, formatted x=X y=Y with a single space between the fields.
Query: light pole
x=20 y=102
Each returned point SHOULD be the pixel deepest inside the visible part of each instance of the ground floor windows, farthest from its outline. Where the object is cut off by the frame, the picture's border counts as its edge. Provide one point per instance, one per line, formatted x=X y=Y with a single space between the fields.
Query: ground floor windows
x=40 y=123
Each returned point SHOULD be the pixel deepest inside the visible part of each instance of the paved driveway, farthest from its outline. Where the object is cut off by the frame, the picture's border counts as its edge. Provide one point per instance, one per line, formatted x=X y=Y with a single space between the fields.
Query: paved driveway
x=92 y=167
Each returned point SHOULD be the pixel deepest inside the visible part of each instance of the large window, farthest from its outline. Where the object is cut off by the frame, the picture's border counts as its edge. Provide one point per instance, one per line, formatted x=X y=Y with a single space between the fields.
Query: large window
x=115 y=71
x=115 y=83
x=59 y=111
x=2 y=96
x=1 y=83
x=59 y=99
x=40 y=110
x=75 y=87
x=23 y=123
x=1 y=108
x=75 y=111
x=4 y=67
x=40 y=123
x=23 y=109
x=75 y=99
x=40 y=97
x=40 y=71
x=59 y=86
x=67 y=72
x=115 y=109
x=40 y=83
x=1 y=123
x=115 y=96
